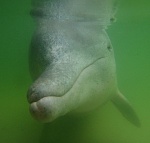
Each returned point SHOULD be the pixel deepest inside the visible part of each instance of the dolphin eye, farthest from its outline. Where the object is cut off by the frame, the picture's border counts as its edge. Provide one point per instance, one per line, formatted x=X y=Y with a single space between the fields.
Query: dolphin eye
x=109 y=47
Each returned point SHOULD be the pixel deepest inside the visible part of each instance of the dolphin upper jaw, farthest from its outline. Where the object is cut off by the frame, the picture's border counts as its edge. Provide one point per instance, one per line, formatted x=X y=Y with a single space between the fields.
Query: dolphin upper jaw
x=34 y=95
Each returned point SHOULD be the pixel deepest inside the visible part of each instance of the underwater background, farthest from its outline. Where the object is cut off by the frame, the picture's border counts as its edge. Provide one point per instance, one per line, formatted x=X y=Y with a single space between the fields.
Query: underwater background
x=130 y=36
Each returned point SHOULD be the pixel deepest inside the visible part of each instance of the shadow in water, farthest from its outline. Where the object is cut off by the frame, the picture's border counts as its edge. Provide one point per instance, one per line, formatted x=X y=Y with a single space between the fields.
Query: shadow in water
x=65 y=130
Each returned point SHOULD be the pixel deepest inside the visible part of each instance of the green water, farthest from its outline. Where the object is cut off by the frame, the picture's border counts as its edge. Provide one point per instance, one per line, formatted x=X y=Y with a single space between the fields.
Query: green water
x=130 y=38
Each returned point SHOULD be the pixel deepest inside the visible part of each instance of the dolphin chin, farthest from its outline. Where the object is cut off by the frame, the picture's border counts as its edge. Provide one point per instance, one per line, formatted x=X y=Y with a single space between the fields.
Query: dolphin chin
x=49 y=108
x=40 y=111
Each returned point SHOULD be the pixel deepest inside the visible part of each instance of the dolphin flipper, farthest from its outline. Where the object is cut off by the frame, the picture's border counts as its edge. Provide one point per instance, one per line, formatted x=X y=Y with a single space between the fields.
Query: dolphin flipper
x=126 y=109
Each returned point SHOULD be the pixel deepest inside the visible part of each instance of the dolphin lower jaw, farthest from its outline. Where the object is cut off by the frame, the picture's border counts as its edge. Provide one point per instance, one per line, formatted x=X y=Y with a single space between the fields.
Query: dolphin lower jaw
x=49 y=108
x=42 y=110
x=38 y=112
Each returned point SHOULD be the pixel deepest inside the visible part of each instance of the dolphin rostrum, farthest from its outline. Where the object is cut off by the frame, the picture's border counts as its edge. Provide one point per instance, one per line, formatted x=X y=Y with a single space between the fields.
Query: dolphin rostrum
x=72 y=60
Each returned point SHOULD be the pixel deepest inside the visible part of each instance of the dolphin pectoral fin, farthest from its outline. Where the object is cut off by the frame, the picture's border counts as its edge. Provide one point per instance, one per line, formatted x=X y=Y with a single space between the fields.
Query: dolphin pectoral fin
x=126 y=109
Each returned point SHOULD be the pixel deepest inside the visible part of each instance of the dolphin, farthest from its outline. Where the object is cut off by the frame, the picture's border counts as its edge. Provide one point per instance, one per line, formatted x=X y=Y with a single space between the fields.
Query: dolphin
x=71 y=60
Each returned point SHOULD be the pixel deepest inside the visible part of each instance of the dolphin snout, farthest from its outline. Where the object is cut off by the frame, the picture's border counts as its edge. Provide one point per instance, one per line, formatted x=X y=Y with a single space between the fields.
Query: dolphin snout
x=39 y=108
x=44 y=106
x=34 y=95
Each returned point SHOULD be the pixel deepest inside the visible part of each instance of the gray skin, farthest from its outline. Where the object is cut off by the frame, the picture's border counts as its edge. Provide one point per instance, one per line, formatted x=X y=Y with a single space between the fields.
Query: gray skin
x=72 y=60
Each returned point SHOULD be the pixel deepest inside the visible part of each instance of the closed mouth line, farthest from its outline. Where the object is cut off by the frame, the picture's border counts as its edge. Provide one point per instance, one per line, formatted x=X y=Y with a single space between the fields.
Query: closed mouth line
x=74 y=81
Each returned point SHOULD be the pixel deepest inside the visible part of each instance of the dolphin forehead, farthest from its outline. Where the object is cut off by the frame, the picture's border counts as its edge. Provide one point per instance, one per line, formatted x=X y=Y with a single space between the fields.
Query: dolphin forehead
x=58 y=50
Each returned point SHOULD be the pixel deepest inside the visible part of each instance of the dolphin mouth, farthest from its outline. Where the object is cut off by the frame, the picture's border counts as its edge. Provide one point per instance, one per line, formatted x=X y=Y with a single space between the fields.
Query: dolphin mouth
x=32 y=96
x=48 y=108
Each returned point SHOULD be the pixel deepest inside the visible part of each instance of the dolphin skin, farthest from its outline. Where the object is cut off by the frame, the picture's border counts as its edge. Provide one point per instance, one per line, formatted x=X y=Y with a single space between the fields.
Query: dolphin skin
x=71 y=59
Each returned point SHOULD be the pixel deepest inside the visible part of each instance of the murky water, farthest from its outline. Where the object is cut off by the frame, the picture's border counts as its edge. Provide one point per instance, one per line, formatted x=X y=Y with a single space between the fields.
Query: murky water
x=130 y=39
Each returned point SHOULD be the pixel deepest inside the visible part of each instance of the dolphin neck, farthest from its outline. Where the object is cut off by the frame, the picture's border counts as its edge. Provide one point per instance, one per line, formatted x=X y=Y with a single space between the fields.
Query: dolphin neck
x=99 y=11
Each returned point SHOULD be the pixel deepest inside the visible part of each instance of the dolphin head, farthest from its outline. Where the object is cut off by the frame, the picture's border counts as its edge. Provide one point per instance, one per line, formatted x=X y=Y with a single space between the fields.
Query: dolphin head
x=72 y=61
x=70 y=77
